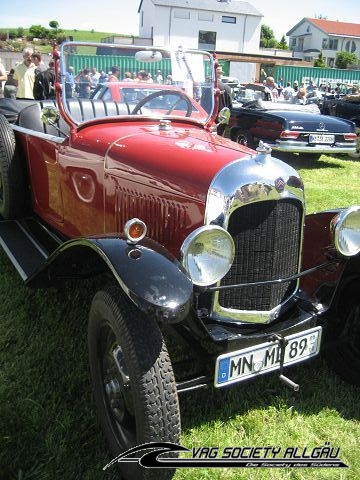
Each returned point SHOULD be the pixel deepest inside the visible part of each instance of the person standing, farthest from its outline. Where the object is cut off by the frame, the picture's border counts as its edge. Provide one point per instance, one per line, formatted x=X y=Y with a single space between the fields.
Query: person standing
x=94 y=77
x=24 y=75
x=113 y=87
x=39 y=84
x=49 y=81
x=3 y=77
x=288 y=91
x=69 y=82
x=84 y=84
x=103 y=77
x=10 y=85
x=159 y=77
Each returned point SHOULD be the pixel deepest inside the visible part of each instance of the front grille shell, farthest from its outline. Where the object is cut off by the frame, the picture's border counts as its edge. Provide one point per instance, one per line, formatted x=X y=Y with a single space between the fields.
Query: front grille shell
x=260 y=202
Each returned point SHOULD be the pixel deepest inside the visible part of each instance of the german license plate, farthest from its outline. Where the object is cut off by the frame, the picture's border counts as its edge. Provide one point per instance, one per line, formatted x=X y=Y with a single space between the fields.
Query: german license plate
x=243 y=364
x=321 y=138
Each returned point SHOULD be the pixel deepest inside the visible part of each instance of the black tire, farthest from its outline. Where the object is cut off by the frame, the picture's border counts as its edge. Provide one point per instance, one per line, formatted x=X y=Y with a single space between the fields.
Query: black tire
x=243 y=137
x=135 y=393
x=12 y=174
x=343 y=338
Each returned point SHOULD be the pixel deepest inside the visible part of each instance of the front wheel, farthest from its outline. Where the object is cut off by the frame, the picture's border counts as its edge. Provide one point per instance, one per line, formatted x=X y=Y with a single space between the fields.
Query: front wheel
x=133 y=380
x=343 y=336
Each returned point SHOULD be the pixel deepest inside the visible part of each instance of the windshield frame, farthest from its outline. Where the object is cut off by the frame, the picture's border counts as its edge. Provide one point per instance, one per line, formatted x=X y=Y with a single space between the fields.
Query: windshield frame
x=184 y=63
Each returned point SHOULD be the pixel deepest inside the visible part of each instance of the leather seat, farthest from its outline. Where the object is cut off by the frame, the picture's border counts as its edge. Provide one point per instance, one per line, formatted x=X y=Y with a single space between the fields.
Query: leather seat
x=80 y=109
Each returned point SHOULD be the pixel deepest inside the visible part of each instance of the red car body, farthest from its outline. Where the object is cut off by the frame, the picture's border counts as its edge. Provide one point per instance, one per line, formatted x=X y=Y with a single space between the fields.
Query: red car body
x=192 y=234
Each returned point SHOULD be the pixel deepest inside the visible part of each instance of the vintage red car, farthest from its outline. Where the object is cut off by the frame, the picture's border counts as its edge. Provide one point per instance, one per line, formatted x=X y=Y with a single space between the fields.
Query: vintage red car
x=196 y=239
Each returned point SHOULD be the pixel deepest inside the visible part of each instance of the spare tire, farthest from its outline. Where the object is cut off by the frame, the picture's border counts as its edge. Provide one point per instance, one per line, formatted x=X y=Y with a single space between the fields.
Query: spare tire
x=12 y=174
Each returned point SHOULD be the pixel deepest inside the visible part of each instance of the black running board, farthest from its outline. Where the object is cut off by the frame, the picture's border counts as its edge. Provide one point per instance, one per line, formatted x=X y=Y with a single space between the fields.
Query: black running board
x=27 y=243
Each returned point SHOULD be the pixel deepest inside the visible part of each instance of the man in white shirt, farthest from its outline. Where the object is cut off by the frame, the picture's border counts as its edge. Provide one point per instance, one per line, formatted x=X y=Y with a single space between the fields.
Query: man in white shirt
x=288 y=92
x=24 y=75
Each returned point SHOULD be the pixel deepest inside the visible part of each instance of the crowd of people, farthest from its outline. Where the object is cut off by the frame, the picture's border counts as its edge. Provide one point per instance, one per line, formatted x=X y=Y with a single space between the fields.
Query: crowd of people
x=32 y=79
x=303 y=94
x=86 y=80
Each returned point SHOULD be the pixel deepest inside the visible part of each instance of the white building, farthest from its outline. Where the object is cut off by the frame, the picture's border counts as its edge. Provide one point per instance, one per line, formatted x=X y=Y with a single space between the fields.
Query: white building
x=221 y=25
x=312 y=35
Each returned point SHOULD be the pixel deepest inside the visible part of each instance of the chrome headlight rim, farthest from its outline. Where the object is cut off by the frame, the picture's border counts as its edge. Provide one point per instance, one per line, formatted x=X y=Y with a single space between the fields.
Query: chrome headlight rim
x=340 y=230
x=222 y=255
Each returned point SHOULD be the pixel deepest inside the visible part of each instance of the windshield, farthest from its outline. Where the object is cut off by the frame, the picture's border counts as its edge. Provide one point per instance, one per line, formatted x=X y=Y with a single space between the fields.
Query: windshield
x=103 y=79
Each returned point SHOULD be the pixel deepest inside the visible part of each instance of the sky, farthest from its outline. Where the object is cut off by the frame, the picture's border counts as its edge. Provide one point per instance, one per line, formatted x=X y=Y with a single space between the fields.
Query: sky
x=120 y=16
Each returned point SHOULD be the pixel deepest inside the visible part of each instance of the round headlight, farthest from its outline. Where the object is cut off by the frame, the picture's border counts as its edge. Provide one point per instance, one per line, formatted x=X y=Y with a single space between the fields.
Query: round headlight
x=346 y=231
x=207 y=254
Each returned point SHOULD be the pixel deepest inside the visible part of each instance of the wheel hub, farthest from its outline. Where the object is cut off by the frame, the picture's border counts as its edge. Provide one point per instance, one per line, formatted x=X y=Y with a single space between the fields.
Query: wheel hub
x=112 y=387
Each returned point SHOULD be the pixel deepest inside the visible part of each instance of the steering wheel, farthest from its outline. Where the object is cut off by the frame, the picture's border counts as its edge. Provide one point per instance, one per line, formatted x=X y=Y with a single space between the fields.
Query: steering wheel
x=159 y=93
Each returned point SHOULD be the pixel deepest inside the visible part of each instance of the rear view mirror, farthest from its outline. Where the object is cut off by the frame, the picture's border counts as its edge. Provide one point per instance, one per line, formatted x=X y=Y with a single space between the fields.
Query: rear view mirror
x=148 y=56
x=224 y=116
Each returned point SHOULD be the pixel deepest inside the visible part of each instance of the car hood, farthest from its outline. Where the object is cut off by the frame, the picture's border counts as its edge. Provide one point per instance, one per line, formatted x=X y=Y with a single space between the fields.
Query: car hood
x=183 y=160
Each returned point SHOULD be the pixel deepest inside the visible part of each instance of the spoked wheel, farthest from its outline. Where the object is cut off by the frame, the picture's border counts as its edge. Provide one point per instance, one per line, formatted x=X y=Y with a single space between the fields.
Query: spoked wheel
x=343 y=353
x=133 y=380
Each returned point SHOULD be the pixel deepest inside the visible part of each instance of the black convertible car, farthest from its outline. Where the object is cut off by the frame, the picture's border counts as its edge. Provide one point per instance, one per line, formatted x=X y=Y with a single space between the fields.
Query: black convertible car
x=288 y=127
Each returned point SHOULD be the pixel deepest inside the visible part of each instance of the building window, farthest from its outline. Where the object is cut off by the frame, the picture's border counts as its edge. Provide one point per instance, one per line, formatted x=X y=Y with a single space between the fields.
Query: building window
x=207 y=40
x=292 y=42
x=330 y=62
x=205 y=17
x=184 y=14
x=324 y=43
x=301 y=45
x=333 y=44
x=227 y=19
x=350 y=46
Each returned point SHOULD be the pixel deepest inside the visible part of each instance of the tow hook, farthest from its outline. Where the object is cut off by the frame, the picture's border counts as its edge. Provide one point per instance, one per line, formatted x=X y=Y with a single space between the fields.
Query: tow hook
x=282 y=344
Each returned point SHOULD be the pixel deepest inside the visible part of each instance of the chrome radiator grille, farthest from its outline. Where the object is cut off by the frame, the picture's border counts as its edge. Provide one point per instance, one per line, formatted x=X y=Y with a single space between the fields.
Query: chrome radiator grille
x=267 y=238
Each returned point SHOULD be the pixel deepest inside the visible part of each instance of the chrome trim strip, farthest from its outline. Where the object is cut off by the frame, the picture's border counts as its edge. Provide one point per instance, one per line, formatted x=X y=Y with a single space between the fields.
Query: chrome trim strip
x=34 y=133
x=13 y=260
x=258 y=178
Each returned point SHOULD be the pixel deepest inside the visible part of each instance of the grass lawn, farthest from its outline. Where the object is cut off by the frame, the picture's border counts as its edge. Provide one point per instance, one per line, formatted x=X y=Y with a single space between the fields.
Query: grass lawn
x=48 y=426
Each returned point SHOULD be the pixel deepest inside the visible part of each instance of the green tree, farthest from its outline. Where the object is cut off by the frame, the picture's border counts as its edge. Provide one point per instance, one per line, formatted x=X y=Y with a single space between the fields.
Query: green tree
x=320 y=62
x=282 y=45
x=55 y=31
x=12 y=34
x=267 y=37
x=20 y=32
x=343 y=59
x=38 y=31
x=54 y=24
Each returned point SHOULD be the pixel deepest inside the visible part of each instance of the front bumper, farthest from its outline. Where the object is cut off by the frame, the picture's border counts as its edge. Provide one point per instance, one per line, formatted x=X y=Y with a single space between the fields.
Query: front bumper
x=302 y=147
x=223 y=339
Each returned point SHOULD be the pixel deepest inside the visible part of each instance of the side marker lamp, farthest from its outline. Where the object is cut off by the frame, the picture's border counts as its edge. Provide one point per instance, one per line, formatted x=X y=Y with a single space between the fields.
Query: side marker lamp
x=135 y=230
